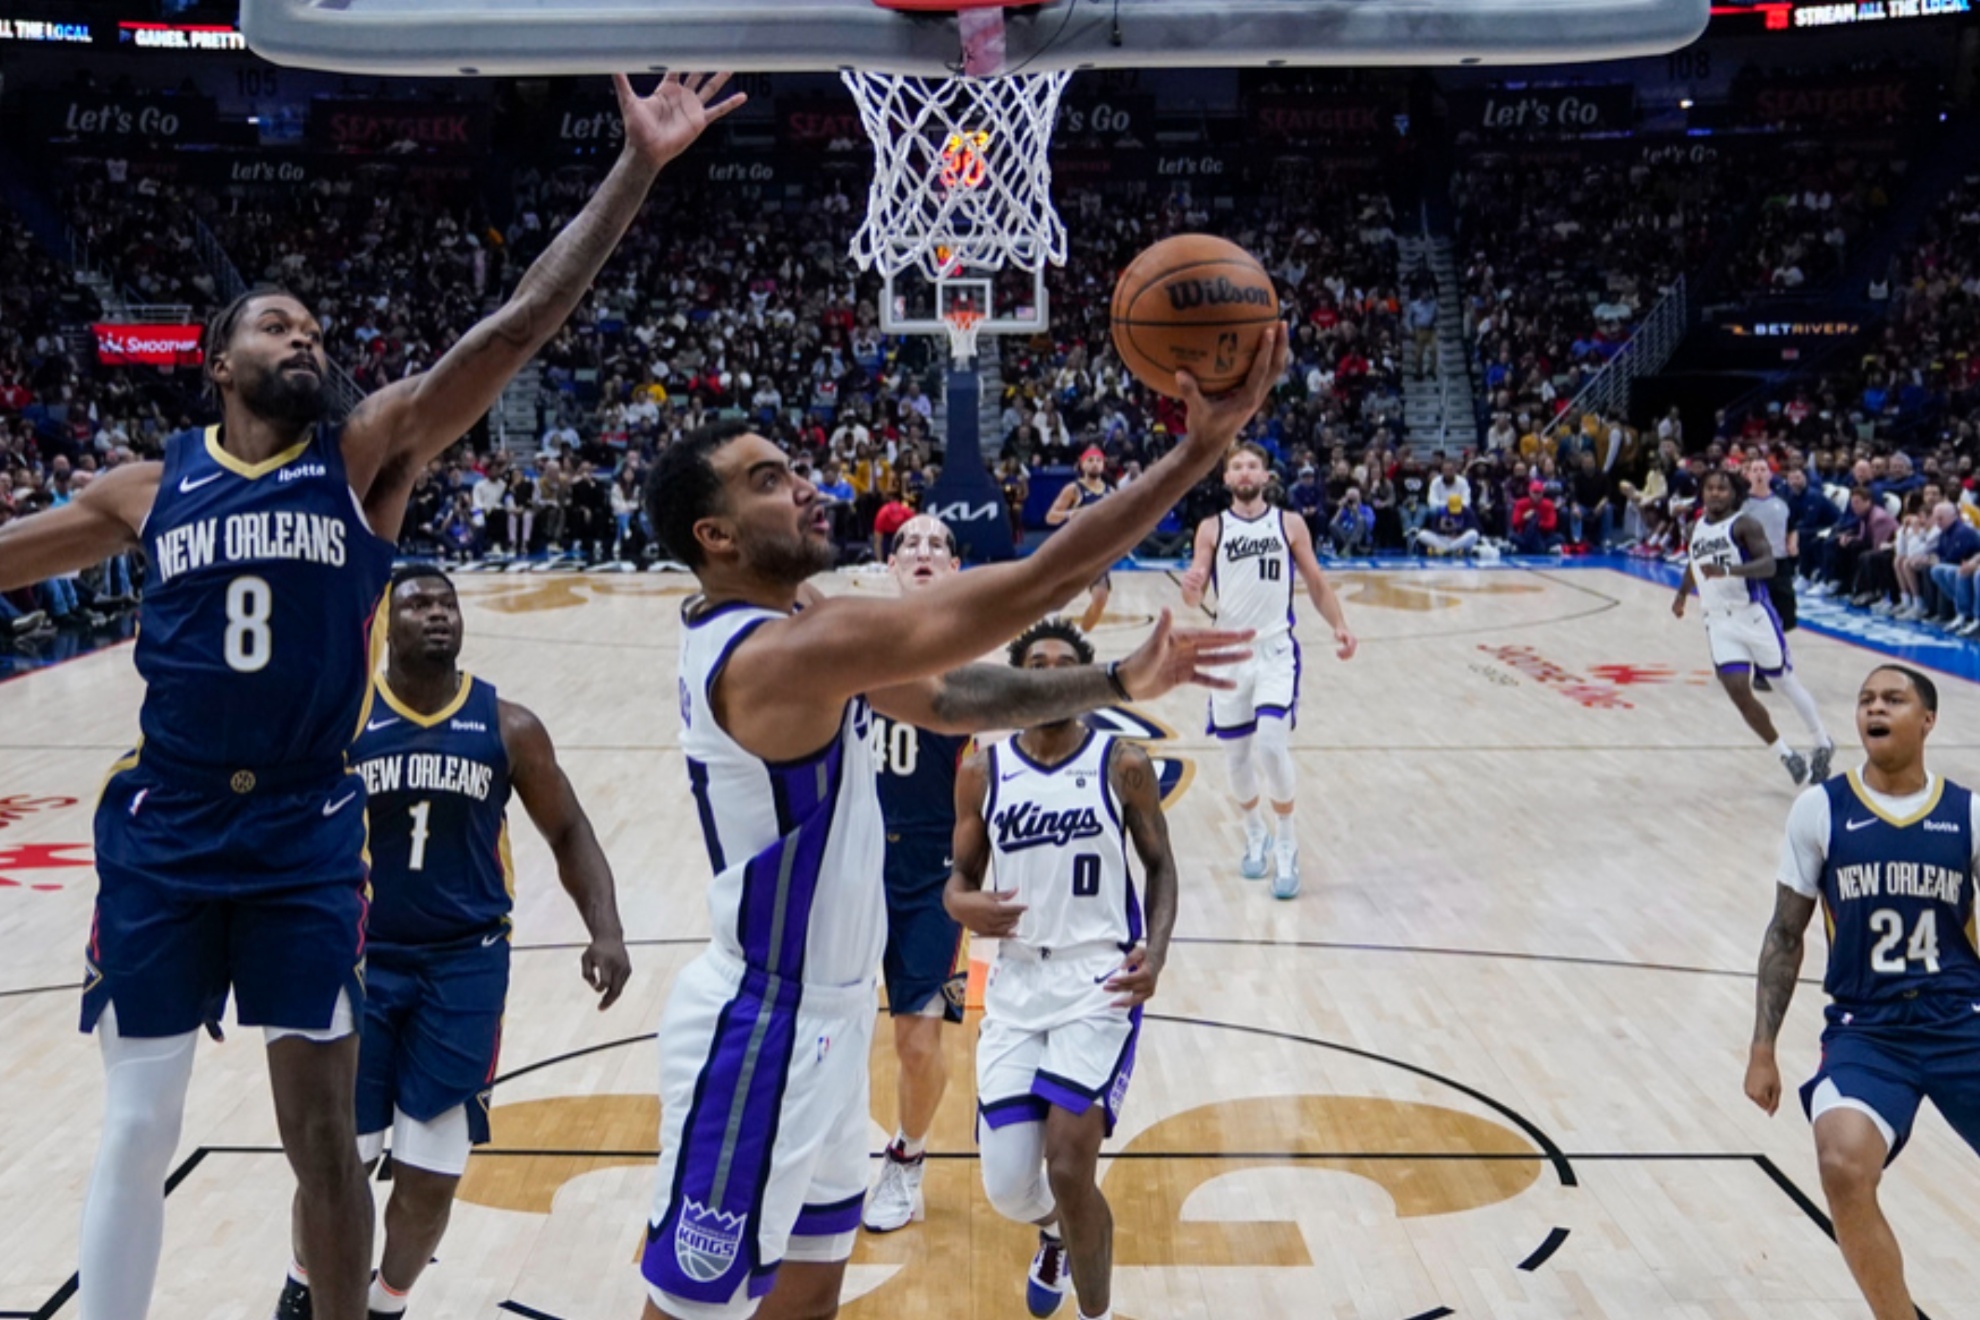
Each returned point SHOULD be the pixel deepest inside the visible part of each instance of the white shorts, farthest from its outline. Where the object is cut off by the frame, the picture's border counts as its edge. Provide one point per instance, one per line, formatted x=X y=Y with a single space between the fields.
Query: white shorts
x=763 y=1135
x=1748 y=639
x=1267 y=688
x=1052 y=1036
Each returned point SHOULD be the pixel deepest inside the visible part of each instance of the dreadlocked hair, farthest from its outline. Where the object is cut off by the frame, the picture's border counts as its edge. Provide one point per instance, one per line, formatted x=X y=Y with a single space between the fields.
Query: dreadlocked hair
x=220 y=330
x=1057 y=629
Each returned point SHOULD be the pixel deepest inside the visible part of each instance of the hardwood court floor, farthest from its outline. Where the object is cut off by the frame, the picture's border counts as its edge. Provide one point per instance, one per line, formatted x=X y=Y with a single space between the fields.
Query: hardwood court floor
x=1488 y=1065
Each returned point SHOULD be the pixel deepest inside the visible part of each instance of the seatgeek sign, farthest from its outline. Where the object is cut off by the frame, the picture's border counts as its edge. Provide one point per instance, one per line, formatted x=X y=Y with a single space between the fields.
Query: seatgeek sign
x=148 y=345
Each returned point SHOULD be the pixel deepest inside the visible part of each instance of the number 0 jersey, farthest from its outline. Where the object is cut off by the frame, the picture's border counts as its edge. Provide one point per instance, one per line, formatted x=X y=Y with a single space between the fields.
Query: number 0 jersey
x=254 y=637
x=438 y=792
x=1252 y=570
x=797 y=846
x=1897 y=891
x=1056 y=838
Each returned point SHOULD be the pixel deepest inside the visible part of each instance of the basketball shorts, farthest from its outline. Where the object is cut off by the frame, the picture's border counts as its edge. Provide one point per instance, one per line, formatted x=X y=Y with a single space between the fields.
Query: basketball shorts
x=1267 y=688
x=927 y=957
x=1052 y=1036
x=432 y=1033
x=1748 y=639
x=201 y=893
x=763 y=1134
x=1885 y=1059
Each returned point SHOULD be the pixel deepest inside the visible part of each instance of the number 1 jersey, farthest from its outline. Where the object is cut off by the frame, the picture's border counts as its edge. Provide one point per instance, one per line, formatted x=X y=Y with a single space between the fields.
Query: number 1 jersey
x=254 y=637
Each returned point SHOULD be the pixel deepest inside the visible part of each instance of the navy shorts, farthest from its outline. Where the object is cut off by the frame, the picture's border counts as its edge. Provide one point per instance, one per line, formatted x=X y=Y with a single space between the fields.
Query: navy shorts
x=432 y=1033
x=926 y=954
x=1890 y=1057
x=201 y=893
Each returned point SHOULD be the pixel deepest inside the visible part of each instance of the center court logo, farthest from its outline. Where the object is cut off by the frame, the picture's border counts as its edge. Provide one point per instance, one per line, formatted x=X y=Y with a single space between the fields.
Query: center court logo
x=707 y=1241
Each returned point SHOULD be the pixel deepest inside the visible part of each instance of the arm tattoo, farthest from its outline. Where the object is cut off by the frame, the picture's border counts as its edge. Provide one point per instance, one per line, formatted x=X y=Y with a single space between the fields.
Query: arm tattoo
x=985 y=696
x=1780 y=963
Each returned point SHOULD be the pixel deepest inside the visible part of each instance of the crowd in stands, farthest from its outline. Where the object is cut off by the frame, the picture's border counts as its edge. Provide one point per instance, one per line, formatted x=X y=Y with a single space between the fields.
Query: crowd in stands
x=723 y=304
x=1814 y=209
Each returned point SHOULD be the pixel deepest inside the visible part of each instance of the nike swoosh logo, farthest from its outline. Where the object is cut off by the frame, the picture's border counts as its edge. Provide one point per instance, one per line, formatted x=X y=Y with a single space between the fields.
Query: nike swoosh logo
x=332 y=808
x=487 y=940
x=376 y=725
x=1007 y=778
x=187 y=485
x=1855 y=825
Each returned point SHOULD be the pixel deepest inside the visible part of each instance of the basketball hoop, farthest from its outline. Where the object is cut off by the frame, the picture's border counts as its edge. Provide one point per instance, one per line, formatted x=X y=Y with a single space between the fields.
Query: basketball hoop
x=960 y=175
x=963 y=322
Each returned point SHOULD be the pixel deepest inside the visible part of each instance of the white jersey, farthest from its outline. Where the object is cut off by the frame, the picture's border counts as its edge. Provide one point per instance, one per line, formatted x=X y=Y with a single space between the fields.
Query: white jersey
x=797 y=846
x=1252 y=570
x=1056 y=838
x=1713 y=543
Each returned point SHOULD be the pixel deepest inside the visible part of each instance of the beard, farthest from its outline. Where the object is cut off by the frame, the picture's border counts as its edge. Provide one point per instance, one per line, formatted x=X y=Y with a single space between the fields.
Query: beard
x=793 y=559
x=282 y=396
x=1247 y=493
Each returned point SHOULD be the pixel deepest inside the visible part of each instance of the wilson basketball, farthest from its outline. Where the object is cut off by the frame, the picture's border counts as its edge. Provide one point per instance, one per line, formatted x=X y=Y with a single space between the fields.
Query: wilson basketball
x=1193 y=303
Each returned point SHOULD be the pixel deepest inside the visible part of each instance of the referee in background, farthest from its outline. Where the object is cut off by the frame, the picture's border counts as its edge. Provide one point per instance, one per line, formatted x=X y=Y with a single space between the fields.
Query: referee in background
x=1766 y=507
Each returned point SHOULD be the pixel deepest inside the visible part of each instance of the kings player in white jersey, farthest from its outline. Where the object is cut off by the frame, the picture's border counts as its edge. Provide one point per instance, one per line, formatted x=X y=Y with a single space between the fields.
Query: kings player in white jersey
x=1248 y=554
x=765 y=1037
x=1730 y=564
x=1048 y=814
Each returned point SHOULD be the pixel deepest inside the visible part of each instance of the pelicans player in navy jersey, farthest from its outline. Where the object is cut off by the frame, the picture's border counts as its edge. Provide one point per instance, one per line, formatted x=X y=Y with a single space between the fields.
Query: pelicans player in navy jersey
x=1249 y=554
x=1889 y=853
x=230 y=847
x=1048 y=813
x=1731 y=564
x=763 y=1044
x=1076 y=497
x=439 y=755
x=926 y=961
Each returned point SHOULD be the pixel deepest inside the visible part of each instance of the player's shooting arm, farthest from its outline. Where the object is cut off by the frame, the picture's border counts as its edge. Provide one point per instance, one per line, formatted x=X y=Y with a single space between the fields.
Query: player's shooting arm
x=553 y=806
x=1196 y=578
x=102 y=521
x=1780 y=963
x=1134 y=782
x=793 y=669
x=393 y=434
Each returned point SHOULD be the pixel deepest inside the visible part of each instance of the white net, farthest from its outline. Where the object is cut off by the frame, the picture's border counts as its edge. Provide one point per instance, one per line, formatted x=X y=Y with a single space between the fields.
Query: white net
x=963 y=325
x=960 y=173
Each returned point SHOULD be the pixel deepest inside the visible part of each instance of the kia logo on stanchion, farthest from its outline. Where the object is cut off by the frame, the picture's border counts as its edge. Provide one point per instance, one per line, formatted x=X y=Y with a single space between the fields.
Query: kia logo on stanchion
x=963 y=512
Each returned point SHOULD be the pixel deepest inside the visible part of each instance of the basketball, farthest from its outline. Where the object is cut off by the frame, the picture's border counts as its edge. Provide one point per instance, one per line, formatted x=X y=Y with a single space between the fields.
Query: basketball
x=1193 y=303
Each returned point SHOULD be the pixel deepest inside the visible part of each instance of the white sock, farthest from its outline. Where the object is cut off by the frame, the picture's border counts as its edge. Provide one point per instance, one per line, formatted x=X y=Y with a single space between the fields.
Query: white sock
x=1804 y=705
x=1107 y=1314
x=298 y=1273
x=1254 y=825
x=1781 y=748
x=385 y=1299
x=1051 y=1230
x=911 y=1147
x=1288 y=839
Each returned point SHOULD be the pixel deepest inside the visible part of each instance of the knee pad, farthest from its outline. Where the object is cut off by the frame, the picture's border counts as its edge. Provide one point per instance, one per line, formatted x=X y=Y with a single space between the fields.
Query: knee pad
x=1013 y=1162
x=1275 y=759
x=1244 y=769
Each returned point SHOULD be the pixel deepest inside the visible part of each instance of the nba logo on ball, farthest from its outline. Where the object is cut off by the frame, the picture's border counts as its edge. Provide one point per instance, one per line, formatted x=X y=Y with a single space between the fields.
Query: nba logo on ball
x=707 y=1241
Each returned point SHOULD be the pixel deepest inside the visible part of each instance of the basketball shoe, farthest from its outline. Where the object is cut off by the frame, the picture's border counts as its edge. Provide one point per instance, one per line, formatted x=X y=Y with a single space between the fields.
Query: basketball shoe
x=1257 y=850
x=1045 y=1287
x=896 y=1201
x=294 y=1303
x=1797 y=767
x=1818 y=762
x=1285 y=877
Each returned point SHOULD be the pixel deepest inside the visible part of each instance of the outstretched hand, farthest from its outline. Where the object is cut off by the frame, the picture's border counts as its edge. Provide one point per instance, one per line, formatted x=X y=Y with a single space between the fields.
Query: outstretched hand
x=665 y=122
x=1214 y=422
x=1174 y=656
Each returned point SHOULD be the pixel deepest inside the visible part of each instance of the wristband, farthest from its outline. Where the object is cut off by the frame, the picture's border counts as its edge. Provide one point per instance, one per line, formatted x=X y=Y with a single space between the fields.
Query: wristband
x=1113 y=672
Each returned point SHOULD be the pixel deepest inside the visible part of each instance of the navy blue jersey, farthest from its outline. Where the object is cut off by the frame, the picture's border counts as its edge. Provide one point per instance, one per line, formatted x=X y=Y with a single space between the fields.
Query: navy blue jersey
x=917 y=779
x=438 y=790
x=254 y=638
x=1897 y=897
x=1088 y=495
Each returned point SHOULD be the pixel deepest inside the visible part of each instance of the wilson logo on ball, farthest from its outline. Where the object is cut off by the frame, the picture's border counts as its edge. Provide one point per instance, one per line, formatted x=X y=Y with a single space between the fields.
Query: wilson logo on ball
x=1220 y=292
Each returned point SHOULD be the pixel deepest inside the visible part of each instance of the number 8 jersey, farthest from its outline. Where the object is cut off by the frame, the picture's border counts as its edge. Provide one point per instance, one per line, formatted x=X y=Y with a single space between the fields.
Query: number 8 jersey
x=1896 y=882
x=254 y=637
x=1056 y=838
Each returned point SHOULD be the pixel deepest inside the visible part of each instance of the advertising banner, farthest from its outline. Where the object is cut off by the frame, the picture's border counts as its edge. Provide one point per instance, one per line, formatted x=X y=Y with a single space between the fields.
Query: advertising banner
x=148 y=345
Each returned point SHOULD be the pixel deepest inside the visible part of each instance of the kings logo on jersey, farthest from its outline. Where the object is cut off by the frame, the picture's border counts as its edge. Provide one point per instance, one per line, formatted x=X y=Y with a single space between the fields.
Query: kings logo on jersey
x=706 y=1242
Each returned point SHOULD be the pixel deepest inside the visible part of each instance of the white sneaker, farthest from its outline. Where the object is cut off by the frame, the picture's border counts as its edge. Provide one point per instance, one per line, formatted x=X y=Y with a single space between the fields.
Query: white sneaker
x=1285 y=880
x=1254 y=864
x=896 y=1200
x=1882 y=608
